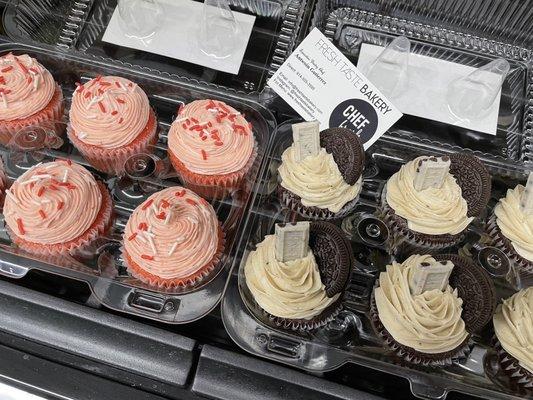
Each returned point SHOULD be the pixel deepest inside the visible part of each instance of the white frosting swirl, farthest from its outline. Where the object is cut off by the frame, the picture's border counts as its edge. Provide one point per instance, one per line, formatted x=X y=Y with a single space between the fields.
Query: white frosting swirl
x=316 y=180
x=287 y=290
x=514 y=224
x=429 y=322
x=53 y=203
x=513 y=325
x=433 y=211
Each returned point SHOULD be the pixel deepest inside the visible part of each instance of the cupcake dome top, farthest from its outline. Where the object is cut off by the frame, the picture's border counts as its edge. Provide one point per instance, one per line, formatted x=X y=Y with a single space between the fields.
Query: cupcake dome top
x=51 y=203
x=26 y=87
x=211 y=138
x=109 y=112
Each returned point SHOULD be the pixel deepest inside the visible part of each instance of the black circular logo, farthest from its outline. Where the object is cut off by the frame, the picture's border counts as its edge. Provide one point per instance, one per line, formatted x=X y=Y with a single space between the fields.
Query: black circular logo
x=357 y=115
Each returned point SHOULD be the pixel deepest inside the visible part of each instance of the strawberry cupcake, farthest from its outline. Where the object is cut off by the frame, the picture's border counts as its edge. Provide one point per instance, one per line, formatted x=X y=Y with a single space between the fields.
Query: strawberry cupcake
x=173 y=240
x=29 y=96
x=211 y=146
x=110 y=121
x=57 y=208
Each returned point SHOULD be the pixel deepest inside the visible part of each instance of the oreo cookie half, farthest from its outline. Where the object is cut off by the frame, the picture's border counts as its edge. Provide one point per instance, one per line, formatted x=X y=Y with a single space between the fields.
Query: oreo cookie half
x=474 y=179
x=476 y=289
x=347 y=151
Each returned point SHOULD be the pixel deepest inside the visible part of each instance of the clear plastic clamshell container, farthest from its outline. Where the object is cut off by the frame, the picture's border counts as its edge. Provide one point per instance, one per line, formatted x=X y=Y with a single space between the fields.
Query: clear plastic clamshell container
x=105 y=271
x=350 y=337
x=464 y=33
x=80 y=26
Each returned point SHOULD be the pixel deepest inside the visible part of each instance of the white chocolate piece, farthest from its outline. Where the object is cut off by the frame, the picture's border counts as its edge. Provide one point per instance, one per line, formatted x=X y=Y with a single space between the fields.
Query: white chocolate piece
x=306 y=137
x=431 y=173
x=292 y=241
x=526 y=202
x=430 y=276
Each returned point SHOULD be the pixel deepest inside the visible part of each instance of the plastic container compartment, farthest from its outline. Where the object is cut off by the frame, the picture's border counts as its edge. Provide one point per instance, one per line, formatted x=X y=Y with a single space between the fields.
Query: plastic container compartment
x=80 y=25
x=466 y=39
x=104 y=273
x=350 y=338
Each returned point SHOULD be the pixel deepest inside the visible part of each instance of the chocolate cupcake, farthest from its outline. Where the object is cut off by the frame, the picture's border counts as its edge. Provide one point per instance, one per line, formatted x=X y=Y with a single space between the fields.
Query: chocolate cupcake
x=321 y=173
x=430 y=202
x=299 y=291
x=513 y=327
x=426 y=309
x=510 y=229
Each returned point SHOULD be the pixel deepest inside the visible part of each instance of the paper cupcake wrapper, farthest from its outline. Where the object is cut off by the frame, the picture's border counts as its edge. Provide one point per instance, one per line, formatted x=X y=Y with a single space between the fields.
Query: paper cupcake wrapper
x=79 y=246
x=184 y=283
x=213 y=186
x=520 y=265
x=410 y=355
x=294 y=203
x=512 y=368
x=49 y=117
x=111 y=161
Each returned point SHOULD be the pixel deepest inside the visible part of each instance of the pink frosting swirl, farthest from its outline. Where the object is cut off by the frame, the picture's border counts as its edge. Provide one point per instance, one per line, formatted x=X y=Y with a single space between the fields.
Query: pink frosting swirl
x=209 y=137
x=109 y=112
x=172 y=234
x=52 y=203
x=26 y=87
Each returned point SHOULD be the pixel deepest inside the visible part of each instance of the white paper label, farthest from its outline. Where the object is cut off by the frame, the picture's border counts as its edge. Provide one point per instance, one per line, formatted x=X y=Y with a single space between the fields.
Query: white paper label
x=321 y=84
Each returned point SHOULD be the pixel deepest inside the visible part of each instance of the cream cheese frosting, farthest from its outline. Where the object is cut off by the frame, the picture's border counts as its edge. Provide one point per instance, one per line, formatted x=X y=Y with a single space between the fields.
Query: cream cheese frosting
x=513 y=325
x=210 y=138
x=290 y=289
x=429 y=322
x=172 y=234
x=52 y=203
x=26 y=87
x=109 y=112
x=514 y=224
x=433 y=211
x=316 y=180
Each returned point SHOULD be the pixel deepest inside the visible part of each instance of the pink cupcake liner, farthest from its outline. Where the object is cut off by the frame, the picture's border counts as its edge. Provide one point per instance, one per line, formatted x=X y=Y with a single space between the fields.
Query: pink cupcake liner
x=50 y=117
x=111 y=161
x=512 y=368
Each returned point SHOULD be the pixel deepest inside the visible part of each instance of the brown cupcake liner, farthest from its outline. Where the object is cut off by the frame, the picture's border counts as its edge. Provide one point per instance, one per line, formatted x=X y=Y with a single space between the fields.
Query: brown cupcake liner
x=50 y=117
x=111 y=161
x=512 y=368
x=294 y=203
x=179 y=284
x=522 y=267
x=410 y=355
x=80 y=246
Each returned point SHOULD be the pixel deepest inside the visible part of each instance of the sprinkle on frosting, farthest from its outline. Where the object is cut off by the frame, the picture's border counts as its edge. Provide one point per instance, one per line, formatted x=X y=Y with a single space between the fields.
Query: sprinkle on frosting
x=105 y=114
x=210 y=137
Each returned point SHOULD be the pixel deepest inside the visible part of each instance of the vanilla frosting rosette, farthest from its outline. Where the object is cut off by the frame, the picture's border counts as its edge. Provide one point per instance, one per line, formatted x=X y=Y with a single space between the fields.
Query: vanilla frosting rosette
x=57 y=208
x=110 y=121
x=173 y=239
x=29 y=97
x=211 y=145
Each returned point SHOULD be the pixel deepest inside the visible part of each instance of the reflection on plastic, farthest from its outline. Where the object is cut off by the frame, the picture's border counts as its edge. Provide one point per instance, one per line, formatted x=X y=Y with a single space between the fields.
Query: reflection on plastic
x=388 y=72
x=218 y=29
x=140 y=18
x=471 y=97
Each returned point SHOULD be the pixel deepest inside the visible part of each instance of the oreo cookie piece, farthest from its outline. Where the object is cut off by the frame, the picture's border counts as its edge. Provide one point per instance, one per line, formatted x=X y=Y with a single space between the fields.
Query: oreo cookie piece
x=347 y=151
x=475 y=288
x=474 y=179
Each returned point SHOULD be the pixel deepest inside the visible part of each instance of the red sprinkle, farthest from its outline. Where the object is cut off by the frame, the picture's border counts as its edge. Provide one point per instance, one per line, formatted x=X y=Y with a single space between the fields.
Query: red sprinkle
x=114 y=112
x=130 y=84
x=204 y=138
x=120 y=120
x=30 y=79
x=218 y=143
x=147 y=204
x=204 y=154
x=2 y=80
x=181 y=193
x=71 y=187
x=53 y=187
x=101 y=105
x=184 y=126
x=60 y=205
x=7 y=91
x=161 y=215
x=210 y=104
x=223 y=107
x=121 y=101
x=165 y=203
x=147 y=257
x=117 y=84
x=194 y=120
x=105 y=84
x=7 y=69
x=35 y=70
x=20 y=226
x=40 y=191
x=191 y=201
x=100 y=91
x=132 y=236
x=65 y=184
x=87 y=94
x=210 y=124
x=42 y=214
x=143 y=226
x=21 y=66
